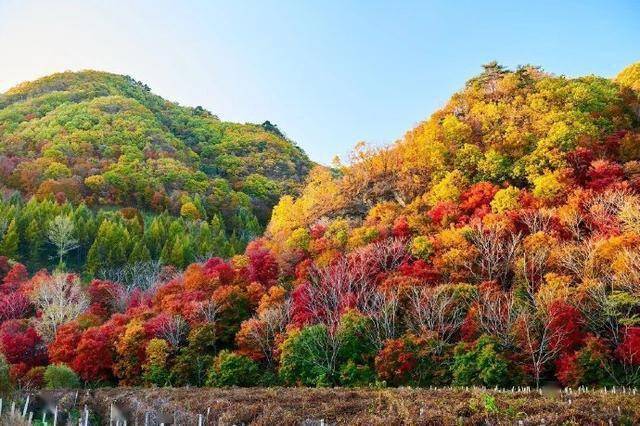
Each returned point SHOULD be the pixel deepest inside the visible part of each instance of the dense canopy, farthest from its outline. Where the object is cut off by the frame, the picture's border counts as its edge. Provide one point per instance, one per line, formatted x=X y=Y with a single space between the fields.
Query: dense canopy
x=496 y=244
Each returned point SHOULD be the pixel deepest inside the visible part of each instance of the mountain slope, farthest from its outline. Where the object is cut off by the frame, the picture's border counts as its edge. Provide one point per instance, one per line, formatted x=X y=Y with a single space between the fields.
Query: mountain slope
x=106 y=139
x=526 y=129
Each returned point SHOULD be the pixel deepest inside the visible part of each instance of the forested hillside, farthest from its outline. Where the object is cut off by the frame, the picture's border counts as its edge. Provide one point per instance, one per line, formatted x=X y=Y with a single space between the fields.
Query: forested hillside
x=98 y=140
x=496 y=244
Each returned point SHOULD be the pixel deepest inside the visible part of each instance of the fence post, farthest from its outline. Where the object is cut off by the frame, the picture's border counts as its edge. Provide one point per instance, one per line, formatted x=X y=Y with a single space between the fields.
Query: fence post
x=200 y=420
x=86 y=415
x=55 y=416
x=26 y=405
x=0 y=406
x=30 y=417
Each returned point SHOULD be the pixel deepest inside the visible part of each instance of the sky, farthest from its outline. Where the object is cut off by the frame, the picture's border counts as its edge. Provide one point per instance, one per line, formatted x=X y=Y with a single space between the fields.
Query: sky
x=328 y=73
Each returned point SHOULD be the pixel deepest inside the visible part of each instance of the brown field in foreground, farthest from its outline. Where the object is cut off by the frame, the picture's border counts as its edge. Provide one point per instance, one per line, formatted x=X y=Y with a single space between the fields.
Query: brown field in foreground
x=295 y=406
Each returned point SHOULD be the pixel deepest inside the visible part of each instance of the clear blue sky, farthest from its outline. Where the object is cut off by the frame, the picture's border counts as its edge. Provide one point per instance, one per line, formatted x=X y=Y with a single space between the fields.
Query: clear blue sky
x=329 y=73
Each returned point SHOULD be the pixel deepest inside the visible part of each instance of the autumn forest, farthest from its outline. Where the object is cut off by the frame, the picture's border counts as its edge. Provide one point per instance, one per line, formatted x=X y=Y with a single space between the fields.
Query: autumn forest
x=496 y=244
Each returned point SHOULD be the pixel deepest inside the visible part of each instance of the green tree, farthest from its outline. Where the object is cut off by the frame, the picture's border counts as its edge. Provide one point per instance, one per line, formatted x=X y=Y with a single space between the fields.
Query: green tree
x=231 y=369
x=59 y=376
x=10 y=241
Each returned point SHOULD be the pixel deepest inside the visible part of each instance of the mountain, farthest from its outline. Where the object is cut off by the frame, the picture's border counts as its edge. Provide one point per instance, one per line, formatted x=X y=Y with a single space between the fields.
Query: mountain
x=496 y=245
x=106 y=139
x=522 y=130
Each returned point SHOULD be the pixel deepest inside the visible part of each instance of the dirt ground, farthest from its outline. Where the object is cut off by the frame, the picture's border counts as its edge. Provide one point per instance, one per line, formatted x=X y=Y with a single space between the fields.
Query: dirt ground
x=302 y=406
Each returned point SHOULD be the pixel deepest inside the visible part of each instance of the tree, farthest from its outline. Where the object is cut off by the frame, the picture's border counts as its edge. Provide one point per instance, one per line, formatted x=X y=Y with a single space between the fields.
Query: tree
x=59 y=299
x=308 y=358
x=59 y=376
x=231 y=369
x=61 y=234
x=10 y=241
x=482 y=364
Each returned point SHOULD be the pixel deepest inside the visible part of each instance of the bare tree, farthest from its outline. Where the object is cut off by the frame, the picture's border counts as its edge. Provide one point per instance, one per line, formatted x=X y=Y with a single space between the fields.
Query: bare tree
x=435 y=309
x=496 y=314
x=537 y=220
x=266 y=327
x=540 y=341
x=174 y=330
x=497 y=248
x=140 y=275
x=61 y=234
x=383 y=313
x=59 y=299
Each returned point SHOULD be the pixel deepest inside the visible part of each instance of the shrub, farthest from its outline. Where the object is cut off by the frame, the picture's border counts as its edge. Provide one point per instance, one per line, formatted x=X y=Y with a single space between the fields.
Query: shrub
x=59 y=376
x=303 y=359
x=482 y=365
x=411 y=360
x=355 y=375
x=231 y=369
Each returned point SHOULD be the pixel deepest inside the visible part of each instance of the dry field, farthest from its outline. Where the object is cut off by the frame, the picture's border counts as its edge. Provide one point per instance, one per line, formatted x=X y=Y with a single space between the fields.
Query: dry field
x=300 y=406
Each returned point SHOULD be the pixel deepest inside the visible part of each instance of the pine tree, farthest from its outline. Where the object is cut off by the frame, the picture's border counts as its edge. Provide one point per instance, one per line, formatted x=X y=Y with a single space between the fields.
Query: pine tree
x=10 y=241
x=140 y=253
x=34 y=240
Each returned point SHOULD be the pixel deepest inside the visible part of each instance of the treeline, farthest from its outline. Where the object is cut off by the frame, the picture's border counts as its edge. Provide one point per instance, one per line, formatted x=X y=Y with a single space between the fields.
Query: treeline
x=48 y=234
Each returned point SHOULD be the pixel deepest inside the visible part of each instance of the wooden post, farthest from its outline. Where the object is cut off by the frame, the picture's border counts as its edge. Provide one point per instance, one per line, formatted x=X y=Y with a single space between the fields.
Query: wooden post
x=200 y=420
x=26 y=405
x=146 y=418
x=55 y=416
x=0 y=406
x=13 y=407
x=30 y=417
x=86 y=415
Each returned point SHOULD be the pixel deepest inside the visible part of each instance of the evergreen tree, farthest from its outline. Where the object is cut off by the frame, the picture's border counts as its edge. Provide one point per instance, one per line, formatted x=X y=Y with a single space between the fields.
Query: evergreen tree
x=140 y=253
x=10 y=241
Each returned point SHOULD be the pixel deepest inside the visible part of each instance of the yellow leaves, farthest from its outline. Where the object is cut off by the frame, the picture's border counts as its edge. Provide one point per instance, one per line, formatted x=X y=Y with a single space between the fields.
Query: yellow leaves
x=630 y=77
x=362 y=236
x=505 y=199
x=383 y=214
x=455 y=132
x=555 y=287
x=157 y=352
x=95 y=182
x=448 y=189
x=549 y=186
x=190 y=211
x=421 y=247
x=299 y=239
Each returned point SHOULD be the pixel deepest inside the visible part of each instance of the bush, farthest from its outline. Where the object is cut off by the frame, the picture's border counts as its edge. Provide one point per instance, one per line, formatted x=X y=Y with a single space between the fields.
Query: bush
x=411 y=360
x=231 y=369
x=482 y=365
x=59 y=376
x=354 y=375
x=302 y=359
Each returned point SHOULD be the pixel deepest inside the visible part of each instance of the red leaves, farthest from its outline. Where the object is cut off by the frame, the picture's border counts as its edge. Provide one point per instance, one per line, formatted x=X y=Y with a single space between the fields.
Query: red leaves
x=263 y=266
x=63 y=348
x=401 y=228
x=20 y=343
x=94 y=354
x=603 y=174
x=629 y=350
x=566 y=326
x=14 y=306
